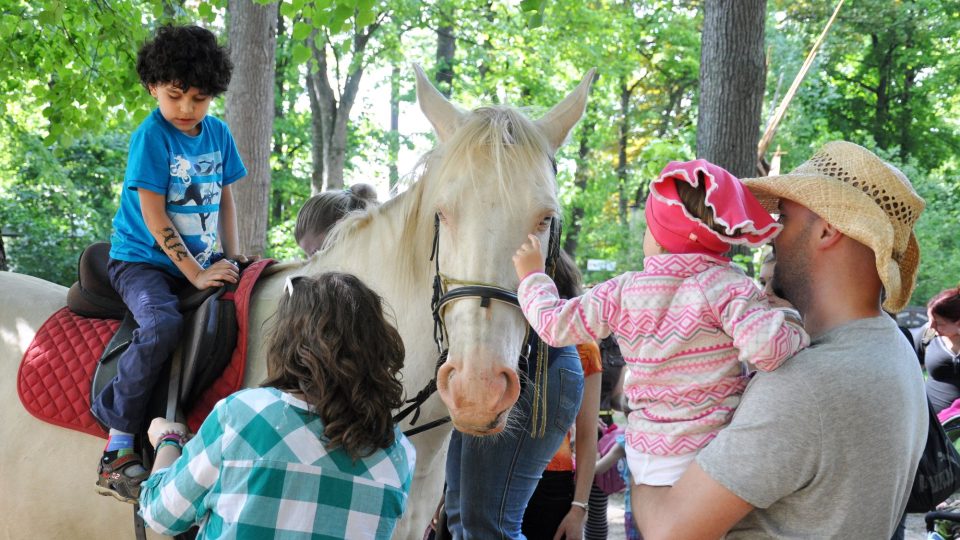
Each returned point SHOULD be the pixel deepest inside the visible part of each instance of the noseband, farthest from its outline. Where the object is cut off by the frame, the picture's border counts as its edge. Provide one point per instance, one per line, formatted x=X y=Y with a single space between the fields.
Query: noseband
x=443 y=295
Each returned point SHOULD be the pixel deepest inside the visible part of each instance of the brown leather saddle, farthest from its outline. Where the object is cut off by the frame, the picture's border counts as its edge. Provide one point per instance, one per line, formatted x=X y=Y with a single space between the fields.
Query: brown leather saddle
x=209 y=336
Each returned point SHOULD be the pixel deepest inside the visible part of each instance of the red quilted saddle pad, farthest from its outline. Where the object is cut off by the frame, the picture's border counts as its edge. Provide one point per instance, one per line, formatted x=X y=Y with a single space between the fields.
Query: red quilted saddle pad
x=54 y=378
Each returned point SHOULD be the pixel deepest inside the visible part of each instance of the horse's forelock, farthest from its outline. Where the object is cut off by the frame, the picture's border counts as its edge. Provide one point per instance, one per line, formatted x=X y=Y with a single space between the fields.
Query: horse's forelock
x=498 y=142
x=496 y=137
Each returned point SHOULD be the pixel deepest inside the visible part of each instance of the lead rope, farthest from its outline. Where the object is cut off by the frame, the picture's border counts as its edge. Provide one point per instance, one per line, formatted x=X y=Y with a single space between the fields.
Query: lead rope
x=539 y=410
x=538 y=423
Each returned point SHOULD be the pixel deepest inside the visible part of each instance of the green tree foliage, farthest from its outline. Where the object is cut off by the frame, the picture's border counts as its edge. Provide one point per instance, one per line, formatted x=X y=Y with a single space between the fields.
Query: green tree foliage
x=885 y=78
x=67 y=68
x=59 y=201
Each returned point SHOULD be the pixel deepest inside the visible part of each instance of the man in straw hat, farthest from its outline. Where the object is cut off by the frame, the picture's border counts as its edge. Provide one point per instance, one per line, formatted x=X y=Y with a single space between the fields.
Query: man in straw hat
x=827 y=445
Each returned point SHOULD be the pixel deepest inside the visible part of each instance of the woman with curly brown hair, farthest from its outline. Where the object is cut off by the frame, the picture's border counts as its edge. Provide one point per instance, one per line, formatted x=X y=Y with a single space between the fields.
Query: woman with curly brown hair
x=314 y=450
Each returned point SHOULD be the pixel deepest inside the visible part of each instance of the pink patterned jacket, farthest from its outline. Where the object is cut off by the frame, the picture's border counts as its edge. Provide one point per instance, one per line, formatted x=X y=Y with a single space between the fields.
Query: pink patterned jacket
x=684 y=325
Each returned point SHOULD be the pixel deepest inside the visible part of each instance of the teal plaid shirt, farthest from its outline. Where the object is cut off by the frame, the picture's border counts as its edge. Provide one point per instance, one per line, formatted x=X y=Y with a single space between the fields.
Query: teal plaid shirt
x=258 y=469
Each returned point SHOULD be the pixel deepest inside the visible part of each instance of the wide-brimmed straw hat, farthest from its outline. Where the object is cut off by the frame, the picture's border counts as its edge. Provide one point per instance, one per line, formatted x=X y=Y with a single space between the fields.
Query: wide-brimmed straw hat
x=864 y=197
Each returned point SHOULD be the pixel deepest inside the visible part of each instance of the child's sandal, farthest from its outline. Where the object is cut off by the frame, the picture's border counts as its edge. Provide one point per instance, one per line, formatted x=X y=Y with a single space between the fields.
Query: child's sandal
x=112 y=479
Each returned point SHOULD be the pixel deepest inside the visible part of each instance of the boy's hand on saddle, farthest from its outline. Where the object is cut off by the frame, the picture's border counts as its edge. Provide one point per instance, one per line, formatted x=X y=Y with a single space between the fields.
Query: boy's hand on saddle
x=244 y=260
x=217 y=275
x=529 y=258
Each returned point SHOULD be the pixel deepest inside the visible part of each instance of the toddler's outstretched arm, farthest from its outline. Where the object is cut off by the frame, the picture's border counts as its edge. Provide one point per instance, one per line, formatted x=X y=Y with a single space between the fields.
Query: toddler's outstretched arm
x=529 y=258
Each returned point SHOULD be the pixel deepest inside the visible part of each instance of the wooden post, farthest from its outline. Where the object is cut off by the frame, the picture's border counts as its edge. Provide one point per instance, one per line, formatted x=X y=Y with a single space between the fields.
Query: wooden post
x=782 y=108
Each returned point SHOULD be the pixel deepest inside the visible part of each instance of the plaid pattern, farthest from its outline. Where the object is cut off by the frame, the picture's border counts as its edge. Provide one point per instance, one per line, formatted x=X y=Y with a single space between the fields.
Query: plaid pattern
x=257 y=469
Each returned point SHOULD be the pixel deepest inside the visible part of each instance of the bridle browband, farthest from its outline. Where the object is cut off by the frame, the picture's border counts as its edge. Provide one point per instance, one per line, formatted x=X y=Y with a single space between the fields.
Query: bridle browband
x=443 y=295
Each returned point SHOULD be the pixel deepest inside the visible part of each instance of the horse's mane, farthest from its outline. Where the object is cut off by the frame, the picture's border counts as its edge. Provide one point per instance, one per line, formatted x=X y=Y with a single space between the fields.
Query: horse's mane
x=494 y=143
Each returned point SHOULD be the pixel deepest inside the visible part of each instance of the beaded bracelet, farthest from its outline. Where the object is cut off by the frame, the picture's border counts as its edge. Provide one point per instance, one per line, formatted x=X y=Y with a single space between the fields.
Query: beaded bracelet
x=177 y=437
x=169 y=442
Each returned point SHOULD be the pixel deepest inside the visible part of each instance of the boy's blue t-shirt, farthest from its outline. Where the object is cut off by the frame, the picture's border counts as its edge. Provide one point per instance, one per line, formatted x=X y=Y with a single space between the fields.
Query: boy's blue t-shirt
x=191 y=172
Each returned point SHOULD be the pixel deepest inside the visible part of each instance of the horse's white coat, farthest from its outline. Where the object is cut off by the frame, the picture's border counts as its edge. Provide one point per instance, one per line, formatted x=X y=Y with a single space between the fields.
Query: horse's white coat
x=490 y=177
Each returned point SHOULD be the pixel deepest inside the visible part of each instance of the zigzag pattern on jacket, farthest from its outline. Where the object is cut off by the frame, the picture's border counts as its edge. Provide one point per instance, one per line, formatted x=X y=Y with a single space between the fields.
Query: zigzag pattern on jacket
x=684 y=325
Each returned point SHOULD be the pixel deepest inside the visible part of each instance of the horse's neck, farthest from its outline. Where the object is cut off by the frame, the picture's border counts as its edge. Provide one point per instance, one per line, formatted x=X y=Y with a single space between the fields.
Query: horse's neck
x=391 y=255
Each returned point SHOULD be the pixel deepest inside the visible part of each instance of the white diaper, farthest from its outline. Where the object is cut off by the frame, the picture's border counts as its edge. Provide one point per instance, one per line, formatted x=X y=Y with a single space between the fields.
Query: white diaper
x=653 y=470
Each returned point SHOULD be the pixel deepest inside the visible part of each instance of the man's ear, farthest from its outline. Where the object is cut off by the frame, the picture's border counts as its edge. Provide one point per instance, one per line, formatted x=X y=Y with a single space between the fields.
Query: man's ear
x=153 y=89
x=829 y=235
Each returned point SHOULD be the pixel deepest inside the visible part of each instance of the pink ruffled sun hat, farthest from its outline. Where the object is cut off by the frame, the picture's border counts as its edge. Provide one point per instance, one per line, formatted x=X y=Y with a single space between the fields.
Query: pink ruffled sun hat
x=743 y=219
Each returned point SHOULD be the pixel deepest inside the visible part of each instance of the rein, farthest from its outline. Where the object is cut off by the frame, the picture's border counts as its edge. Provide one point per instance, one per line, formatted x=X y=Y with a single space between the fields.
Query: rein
x=443 y=295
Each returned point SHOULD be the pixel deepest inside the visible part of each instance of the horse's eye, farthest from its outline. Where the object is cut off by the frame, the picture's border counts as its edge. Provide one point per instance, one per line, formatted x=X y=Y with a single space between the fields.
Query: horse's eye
x=544 y=224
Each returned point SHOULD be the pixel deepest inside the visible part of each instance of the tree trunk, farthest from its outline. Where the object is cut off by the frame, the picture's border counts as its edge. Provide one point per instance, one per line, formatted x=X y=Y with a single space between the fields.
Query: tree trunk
x=906 y=139
x=881 y=118
x=731 y=84
x=279 y=82
x=487 y=44
x=580 y=179
x=625 y=94
x=334 y=114
x=317 y=137
x=280 y=90
x=446 y=49
x=394 y=137
x=3 y=255
x=253 y=41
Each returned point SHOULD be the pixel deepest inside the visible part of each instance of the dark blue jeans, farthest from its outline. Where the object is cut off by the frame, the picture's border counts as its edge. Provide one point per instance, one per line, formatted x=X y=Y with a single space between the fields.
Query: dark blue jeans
x=490 y=479
x=150 y=294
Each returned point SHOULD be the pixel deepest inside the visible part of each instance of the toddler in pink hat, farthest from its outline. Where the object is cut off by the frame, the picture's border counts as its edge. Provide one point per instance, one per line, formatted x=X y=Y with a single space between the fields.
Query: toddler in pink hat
x=685 y=323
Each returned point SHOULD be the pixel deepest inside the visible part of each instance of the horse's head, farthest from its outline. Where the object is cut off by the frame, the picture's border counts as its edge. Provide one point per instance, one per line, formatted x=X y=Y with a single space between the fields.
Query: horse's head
x=492 y=179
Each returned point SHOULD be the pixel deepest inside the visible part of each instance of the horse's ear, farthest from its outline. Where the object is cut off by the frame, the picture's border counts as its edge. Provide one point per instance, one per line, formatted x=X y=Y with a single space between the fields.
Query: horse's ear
x=559 y=120
x=443 y=115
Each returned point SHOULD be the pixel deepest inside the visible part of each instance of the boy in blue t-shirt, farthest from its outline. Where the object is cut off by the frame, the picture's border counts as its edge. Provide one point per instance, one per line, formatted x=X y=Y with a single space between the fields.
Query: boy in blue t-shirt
x=176 y=199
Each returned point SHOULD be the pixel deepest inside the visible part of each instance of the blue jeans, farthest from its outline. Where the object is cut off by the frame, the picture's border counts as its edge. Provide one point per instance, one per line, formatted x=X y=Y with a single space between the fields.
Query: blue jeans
x=150 y=294
x=490 y=479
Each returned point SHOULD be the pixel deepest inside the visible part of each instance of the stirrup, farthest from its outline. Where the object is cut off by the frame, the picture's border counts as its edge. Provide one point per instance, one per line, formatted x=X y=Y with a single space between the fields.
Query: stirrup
x=114 y=482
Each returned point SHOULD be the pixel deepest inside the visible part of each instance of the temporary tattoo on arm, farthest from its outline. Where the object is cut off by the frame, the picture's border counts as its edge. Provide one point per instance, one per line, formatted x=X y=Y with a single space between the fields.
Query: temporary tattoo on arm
x=173 y=245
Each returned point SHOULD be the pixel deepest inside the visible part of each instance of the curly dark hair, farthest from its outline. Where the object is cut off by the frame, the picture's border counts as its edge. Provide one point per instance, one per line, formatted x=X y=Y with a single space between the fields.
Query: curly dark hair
x=331 y=342
x=187 y=57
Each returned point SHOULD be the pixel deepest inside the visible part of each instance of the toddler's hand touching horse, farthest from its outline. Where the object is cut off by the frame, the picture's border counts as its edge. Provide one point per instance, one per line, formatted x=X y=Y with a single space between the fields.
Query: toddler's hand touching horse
x=529 y=258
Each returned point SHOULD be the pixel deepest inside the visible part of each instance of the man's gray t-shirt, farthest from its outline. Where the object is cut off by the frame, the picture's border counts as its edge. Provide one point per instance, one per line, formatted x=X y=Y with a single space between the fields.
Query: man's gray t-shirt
x=828 y=444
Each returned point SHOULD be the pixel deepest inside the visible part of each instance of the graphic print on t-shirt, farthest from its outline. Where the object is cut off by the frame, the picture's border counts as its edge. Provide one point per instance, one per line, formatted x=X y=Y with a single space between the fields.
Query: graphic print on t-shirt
x=193 y=200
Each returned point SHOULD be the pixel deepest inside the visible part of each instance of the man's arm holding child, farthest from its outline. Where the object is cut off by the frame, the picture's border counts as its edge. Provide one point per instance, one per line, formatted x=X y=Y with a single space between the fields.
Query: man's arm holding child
x=153 y=207
x=696 y=507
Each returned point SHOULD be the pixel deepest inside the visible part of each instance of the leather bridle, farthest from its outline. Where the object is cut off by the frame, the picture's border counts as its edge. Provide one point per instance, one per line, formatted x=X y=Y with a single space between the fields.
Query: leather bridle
x=444 y=295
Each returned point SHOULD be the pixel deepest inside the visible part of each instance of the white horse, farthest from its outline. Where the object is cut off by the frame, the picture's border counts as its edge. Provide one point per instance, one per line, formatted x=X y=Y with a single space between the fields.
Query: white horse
x=491 y=182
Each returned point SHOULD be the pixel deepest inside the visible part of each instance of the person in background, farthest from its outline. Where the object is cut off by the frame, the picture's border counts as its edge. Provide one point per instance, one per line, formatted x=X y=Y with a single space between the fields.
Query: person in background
x=314 y=451
x=322 y=211
x=938 y=344
x=559 y=505
x=765 y=276
x=612 y=360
